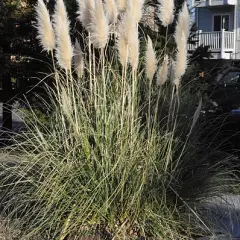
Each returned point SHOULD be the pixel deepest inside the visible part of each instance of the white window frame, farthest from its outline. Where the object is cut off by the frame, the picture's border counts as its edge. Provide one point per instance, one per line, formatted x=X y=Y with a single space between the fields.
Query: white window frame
x=221 y=14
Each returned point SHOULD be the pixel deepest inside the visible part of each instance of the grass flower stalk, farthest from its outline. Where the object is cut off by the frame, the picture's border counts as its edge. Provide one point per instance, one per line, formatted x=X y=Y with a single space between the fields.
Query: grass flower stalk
x=150 y=60
x=78 y=59
x=64 y=49
x=181 y=37
x=121 y=5
x=111 y=11
x=162 y=77
x=166 y=12
x=85 y=12
x=125 y=37
x=135 y=7
x=134 y=49
x=183 y=24
x=99 y=28
x=150 y=68
x=162 y=74
x=44 y=27
x=122 y=46
x=128 y=33
x=181 y=61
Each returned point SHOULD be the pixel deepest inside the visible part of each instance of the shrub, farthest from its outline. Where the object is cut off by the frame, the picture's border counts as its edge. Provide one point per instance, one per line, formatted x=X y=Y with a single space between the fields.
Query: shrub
x=113 y=158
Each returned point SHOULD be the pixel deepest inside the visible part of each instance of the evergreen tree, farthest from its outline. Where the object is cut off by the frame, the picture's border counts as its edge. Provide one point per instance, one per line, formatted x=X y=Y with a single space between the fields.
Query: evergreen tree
x=19 y=54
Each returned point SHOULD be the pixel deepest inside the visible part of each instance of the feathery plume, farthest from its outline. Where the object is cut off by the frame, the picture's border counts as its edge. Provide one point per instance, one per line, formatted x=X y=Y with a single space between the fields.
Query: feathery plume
x=183 y=24
x=111 y=10
x=128 y=43
x=127 y=26
x=136 y=8
x=64 y=48
x=81 y=11
x=181 y=60
x=122 y=5
x=78 y=59
x=122 y=50
x=150 y=60
x=166 y=12
x=44 y=27
x=85 y=12
x=99 y=27
x=134 y=49
x=66 y=104
x=181 y=37
x=60 y=11
x=162 y=74
x=122 y=43
x=171 y=69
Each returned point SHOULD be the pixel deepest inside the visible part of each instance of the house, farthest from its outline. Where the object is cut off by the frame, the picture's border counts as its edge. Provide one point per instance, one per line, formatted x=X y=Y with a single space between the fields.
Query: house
x=218 y=23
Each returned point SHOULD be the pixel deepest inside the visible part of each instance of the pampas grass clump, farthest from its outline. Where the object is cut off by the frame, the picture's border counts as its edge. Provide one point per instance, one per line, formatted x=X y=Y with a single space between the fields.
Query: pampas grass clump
x=44 y=27
x=112 y=161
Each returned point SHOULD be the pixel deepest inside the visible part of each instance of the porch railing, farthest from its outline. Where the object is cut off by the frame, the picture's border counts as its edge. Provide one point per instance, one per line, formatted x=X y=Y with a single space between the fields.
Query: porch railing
x=217 y=41
x=229 y=40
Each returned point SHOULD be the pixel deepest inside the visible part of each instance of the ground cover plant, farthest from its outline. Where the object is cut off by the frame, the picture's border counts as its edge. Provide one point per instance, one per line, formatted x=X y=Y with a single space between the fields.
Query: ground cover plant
x=113 y=158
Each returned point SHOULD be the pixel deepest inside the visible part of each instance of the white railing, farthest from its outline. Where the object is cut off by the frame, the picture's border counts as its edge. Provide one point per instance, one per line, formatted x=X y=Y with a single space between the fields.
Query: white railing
x=229 y=40
x=202 y=3
x=211 y=39
x=217 y=41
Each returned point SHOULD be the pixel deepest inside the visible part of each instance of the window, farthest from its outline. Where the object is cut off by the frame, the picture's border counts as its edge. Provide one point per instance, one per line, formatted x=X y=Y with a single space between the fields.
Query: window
x=217 y=23
x=220 y=22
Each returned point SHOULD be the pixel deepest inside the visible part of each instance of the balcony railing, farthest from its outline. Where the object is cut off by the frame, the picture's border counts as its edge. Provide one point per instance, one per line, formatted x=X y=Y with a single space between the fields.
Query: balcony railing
x=222 y=41
x=209 y=3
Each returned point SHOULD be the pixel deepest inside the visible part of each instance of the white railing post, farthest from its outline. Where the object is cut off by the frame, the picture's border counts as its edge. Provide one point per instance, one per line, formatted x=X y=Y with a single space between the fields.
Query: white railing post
x=234 y=43
x=199 y=37
x=223 y=43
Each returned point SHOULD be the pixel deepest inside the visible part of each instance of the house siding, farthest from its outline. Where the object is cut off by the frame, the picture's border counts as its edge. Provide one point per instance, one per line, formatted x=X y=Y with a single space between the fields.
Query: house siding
x=205 y=17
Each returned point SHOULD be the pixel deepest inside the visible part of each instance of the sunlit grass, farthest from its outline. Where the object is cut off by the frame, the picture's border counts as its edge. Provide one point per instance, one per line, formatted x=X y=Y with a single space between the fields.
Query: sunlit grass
x=113 y=157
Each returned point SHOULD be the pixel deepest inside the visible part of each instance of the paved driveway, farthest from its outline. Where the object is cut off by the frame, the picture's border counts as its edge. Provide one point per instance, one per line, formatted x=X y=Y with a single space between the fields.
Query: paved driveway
x=223 y=215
